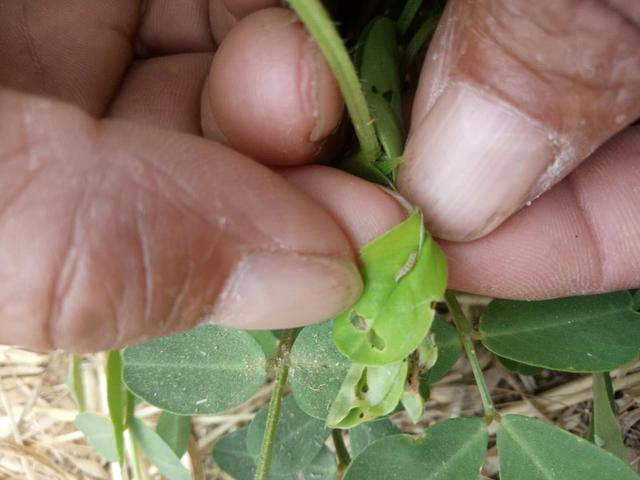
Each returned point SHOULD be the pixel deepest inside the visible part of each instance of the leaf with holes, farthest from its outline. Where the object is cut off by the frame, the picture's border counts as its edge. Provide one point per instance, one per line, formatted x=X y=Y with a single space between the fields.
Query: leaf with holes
x=298 y=439
x=404 y=272
x=450 y=450
x=317 y=369
x=367 y=393
x=532 y=450
x=183 y=373
x=377 y=61
x=593 y=333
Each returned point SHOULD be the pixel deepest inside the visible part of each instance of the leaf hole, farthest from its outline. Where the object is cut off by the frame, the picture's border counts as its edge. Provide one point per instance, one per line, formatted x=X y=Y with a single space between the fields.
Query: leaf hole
x=358 y=321
x=388 y=95
x=374 y=89
x=375 y=340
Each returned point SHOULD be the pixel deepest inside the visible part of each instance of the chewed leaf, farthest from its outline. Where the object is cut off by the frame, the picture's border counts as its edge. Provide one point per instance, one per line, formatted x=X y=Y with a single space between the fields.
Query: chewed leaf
x=367 y=393
x=404 y=273
x=378 y=62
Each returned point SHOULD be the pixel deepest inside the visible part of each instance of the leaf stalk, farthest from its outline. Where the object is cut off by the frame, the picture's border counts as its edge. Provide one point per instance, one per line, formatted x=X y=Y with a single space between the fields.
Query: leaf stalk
x=465 y=331
x=275 y=404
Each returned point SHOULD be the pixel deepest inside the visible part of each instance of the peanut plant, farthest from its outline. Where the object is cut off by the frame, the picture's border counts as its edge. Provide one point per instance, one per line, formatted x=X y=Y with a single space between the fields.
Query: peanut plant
x=348 y=374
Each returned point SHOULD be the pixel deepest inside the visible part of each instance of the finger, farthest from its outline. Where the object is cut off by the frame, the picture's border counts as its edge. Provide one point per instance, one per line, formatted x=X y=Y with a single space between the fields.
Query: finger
x=513 y=95
x=580 y=237
x=71 y=50
x=363 y=210
x=164 y=92
x=174 y=26
x=270 y=93
x=224 y=14
x=111 y=233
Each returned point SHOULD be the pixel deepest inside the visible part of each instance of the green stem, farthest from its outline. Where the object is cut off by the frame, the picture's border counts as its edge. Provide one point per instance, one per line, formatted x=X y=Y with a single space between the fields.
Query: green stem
x=77 y=382
x=319 y=24
x=344 y=459
x=407 y=15
x=134 y=457
x=273 y=413
x=463 y=325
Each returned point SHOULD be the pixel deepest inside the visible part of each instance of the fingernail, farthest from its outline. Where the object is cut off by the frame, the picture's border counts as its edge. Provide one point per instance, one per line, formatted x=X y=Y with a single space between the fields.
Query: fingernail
x=472 y=162
x=320 y=93
x=285 y=290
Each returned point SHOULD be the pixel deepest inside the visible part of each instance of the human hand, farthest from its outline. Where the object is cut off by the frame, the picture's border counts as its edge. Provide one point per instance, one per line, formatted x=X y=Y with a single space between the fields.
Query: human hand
x=114 y=230
x=514 y=96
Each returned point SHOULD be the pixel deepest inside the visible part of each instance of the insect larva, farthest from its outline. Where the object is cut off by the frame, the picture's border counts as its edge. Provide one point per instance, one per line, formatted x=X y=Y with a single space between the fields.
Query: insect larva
x=406 y=268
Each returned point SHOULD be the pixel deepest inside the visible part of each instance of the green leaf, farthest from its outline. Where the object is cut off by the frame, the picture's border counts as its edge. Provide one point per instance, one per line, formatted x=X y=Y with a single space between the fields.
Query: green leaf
x=320 y=25
x=419 y=40
x=231 y=455
x=636 y=298
x=532 y=450
x=298 y=439
x=361 y=436
x=518 y=367
x=267 y=340
x=413 y=404
x=404 y=272
x=367 y=393
x=358 y=165
x=74 y=381
x=99 y=433
x=158 y=452
x=175 y=431
x=451 y=450
x=116 y=400
x=408 y=14
x=387 y=125
x=604 y=427
x=316 y=369
x=208 y=369
x=578 y=334
x=378 y=61
x=449 y=350
x=323 y=467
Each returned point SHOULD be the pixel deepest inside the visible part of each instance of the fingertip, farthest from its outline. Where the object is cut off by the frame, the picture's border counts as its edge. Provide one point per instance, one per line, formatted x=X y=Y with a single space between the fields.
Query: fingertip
x=270 y=93
x=224 y=14
x=363 y=210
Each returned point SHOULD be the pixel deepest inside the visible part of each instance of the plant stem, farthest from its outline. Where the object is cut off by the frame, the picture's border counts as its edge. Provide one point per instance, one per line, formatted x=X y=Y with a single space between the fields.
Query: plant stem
x=408 y=14
x=319 y=24
x=344 y=459
x=273 y=413
x=463 y=325
x=134 y=457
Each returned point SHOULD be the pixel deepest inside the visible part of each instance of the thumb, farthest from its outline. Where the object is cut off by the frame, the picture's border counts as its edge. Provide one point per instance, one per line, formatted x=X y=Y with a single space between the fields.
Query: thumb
x=111 y=233
x=515 y=94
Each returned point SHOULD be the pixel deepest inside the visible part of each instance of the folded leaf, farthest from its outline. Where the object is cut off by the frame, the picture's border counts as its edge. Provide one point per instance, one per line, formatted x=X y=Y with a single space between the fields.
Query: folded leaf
x=367 y=393
x=404 y=273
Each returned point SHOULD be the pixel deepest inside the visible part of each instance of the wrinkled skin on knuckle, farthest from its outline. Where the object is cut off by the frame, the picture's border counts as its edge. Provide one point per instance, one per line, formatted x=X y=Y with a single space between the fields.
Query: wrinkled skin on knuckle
x=573 y=65
x=97 y=249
